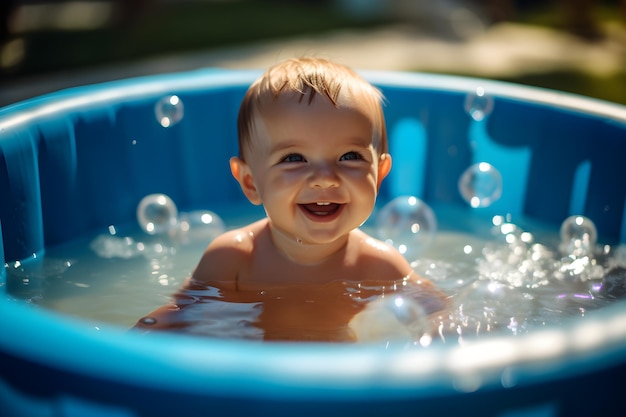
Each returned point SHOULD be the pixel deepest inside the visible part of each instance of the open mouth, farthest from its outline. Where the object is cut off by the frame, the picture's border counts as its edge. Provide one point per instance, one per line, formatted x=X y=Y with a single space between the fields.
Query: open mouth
x=322 y=210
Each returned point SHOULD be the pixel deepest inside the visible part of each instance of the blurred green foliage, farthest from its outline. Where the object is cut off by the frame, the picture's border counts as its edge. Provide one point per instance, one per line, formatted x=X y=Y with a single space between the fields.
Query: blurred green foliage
x=610 y=88
x=606 y=87
x=168 y=27
x=174 y=27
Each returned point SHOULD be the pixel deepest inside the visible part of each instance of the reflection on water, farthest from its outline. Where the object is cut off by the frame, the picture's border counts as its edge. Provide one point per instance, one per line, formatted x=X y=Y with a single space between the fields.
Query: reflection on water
x=303 y=312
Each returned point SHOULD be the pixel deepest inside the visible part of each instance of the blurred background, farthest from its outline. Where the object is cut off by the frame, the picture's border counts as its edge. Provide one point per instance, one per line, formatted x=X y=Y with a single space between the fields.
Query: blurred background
x=571 y=45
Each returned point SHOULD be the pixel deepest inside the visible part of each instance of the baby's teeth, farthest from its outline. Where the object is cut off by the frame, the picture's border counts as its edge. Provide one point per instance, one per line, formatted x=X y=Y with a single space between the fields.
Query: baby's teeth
x=322 y=204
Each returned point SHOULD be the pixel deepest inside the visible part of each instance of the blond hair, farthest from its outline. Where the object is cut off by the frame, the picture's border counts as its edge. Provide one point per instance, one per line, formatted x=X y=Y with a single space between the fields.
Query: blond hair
x=310 y=77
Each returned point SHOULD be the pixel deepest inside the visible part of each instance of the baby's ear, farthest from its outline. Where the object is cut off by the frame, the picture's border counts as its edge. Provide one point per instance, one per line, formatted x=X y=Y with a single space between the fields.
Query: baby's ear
x=384 y=166
x=242 y=173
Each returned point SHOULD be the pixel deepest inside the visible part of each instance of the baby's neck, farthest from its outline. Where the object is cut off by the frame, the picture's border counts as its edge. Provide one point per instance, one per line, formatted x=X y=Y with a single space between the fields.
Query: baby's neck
x=302 y=253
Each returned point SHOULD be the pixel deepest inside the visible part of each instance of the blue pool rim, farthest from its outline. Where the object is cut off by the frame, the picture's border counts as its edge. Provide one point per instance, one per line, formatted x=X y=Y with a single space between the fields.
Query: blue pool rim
x=85 y=362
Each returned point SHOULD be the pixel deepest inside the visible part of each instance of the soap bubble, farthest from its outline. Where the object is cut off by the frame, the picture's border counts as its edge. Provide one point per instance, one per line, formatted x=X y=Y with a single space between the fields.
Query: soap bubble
x=200 y=226
x=481 y=185
x=169 y=110
x=408 y=224
x=405 y=310
x=157 y=214
x=394 y=318
x=578 y=236
x=478 y=104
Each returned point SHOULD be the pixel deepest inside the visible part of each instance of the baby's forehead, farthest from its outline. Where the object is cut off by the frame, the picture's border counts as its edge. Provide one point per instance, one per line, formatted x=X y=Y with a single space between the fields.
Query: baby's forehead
x=345 y=100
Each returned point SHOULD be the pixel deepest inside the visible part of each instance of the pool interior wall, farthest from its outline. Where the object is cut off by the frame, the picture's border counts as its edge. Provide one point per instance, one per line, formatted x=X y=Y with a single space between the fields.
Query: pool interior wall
x=74 y=162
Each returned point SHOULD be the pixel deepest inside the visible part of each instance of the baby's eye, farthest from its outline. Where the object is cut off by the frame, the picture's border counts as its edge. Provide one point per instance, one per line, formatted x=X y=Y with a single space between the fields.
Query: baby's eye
x=293 y=157
x=351 y=156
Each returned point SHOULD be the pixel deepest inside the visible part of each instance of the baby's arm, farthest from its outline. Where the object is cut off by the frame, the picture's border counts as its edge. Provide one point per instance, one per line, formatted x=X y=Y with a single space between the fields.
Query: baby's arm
x=390 y=318
x=224 y=260
x=384 y=263
x=424 y=291
x=220 y=266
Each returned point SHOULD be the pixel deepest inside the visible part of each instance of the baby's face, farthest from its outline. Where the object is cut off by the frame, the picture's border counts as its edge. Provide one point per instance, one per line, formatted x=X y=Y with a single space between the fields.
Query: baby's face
x=315 y=167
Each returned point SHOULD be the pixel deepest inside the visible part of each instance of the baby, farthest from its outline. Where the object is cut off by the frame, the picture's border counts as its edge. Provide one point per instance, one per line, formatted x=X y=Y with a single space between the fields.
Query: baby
x=313 y=152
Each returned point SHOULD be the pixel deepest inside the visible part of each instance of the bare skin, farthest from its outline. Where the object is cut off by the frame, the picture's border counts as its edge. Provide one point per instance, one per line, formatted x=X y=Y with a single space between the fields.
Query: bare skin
x=316 y=169
x=260 y=268
x=249 y=255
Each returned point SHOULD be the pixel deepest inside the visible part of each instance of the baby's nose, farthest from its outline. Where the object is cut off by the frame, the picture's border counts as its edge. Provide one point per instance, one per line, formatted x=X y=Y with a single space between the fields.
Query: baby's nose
x=323 y=176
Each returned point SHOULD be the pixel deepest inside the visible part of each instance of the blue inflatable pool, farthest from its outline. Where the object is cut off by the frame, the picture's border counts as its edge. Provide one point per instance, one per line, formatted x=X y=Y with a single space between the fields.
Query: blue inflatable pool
x=68 y=167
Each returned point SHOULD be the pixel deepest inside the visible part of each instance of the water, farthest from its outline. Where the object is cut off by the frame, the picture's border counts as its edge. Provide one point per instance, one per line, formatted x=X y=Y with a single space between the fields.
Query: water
x=501 y=276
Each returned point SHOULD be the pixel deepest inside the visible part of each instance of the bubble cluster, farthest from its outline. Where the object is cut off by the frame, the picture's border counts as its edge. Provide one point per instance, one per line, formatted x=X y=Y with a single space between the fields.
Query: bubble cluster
x=478 y=105
x=481 y=185
x=408 y=224
x=169 y=110
x=157 y=214
x=127 y=247
x=199 y=226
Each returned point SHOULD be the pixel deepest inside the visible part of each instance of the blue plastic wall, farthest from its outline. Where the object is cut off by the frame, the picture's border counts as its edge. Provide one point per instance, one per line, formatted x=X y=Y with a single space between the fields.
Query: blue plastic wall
x=77 y=161
x=81 y=168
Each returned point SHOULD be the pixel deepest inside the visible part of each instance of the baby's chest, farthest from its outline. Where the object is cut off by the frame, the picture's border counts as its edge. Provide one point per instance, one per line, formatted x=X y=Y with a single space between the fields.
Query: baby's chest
x=268 y=272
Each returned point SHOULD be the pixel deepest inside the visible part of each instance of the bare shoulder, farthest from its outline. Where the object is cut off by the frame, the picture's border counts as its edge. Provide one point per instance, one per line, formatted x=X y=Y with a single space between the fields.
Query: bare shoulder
x=380 y=260
x=227 y=256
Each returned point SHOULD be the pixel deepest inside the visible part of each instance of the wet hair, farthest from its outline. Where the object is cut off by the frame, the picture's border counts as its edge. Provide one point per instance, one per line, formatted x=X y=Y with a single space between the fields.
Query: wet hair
x=310 y=77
